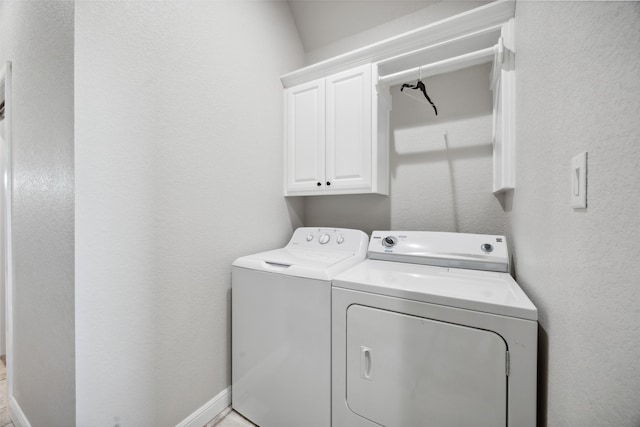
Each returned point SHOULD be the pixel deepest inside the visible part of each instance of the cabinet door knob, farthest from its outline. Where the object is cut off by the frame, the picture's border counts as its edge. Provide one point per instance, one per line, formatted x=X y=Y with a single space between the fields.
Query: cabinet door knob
x=328 y=183
x=319 y=184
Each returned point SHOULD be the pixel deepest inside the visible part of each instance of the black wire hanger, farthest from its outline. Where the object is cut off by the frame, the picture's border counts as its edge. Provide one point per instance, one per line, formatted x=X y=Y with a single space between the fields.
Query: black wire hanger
x=422 y=88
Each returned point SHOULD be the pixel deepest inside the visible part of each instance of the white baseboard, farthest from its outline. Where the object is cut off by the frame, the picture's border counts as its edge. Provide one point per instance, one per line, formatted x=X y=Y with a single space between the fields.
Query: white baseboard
x=199 y=418
x=206 y=412
x=17 y=416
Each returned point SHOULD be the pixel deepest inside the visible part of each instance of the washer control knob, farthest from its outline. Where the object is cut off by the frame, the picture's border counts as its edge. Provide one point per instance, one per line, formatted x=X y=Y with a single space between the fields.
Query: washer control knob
x=389 y=242
x=309 y=237
x=324 y=239
x=486 y=247
x=340 y=240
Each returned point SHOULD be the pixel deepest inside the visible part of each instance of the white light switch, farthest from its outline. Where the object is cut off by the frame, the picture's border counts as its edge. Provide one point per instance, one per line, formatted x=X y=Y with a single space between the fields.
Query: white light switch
x=579 y=181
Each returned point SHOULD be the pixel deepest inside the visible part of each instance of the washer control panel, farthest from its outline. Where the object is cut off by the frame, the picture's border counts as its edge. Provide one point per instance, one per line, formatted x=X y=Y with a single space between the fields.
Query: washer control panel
x=457 y=250
x=343 y=239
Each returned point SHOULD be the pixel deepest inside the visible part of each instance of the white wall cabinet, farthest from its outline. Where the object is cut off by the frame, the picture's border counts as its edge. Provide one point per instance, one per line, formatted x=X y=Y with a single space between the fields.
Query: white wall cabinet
x=332 y=141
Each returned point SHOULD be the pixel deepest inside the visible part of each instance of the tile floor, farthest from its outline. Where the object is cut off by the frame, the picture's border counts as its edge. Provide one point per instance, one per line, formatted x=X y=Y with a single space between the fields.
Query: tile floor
x=230 y=418
x=5 y=421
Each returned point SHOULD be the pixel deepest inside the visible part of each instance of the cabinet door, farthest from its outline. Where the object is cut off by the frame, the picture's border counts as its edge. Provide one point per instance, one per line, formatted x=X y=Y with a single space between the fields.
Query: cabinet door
x=305 y=162
x=348 y=139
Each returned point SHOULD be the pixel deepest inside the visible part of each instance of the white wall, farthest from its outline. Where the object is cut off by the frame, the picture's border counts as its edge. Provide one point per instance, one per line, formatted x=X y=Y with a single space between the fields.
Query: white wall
x=38 y=38
x=325 y=22
x=436 y=184
x=578 y=89
x=445 y=184
x=179 y=125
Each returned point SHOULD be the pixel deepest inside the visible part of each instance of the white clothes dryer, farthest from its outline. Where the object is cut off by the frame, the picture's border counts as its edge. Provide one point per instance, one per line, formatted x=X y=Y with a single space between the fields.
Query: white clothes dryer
x=281 y=327
x=432 y=330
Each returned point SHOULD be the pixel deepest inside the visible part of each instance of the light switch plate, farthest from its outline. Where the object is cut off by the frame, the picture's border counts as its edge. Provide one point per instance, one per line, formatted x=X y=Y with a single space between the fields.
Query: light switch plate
x=579 y=181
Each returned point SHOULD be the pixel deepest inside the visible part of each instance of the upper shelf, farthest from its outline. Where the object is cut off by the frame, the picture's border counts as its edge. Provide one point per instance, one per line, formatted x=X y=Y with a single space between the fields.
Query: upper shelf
x=447 y=65
x=461 y=34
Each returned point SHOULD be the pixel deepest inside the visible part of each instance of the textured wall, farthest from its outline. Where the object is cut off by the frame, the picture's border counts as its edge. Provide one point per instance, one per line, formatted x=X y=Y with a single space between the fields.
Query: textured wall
x=437 y=184
x=179 y=125
x=578 y=89
x=445 y=184
x=38 y=38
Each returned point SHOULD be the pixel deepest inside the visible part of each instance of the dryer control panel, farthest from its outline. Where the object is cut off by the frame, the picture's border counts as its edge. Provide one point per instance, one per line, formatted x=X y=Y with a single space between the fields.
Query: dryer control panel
x=456 y=250
x=334 y=239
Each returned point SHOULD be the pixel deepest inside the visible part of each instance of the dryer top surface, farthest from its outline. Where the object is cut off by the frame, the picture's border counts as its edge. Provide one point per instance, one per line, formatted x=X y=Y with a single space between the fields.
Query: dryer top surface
x=484 y=291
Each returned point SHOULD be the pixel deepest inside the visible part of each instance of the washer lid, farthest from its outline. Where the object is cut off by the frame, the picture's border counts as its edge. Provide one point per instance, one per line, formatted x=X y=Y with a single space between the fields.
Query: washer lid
x=313 y=253
x=485 y=291
x=307 y=263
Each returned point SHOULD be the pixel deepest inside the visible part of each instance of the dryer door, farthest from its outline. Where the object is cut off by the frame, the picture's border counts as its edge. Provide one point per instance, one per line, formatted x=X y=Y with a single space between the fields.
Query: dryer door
x=409 y=371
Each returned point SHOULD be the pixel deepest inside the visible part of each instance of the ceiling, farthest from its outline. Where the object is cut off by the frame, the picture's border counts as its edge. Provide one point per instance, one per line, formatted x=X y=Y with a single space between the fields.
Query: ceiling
x=322 y=22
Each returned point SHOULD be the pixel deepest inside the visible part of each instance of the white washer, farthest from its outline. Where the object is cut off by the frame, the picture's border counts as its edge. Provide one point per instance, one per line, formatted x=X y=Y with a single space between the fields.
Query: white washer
x=281 y=327
x=432 y=330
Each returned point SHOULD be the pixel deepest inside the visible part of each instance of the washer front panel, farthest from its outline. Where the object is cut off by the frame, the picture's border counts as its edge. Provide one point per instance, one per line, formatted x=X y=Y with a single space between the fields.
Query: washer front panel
x=281 y=342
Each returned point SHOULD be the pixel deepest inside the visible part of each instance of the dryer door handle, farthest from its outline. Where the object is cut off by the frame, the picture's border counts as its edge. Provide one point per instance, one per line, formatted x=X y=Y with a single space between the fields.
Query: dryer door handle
x=366 y=363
